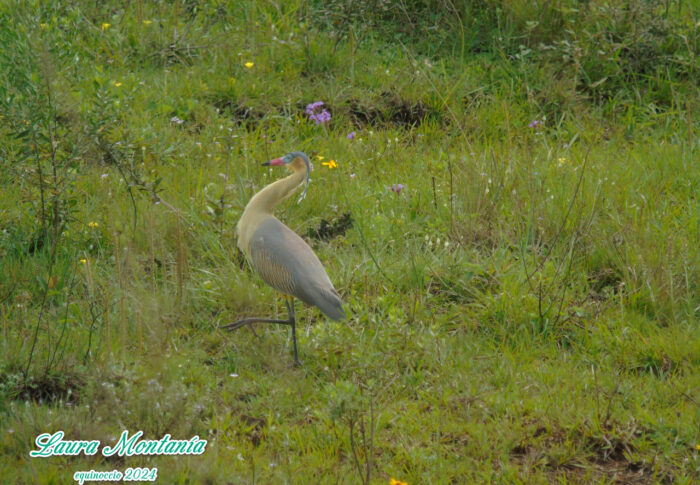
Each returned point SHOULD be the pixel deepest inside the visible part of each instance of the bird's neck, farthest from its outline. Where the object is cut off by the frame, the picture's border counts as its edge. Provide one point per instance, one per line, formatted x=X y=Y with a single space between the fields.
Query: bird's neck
x=264 y=202
x=267 y=199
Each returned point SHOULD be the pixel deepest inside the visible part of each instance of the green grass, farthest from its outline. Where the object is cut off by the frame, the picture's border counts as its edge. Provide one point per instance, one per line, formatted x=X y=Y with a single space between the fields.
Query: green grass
x=524 y=311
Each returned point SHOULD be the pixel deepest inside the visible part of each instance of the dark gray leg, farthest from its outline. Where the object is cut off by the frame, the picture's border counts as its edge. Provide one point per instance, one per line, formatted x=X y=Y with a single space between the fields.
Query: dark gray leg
x=248 y=321
x=290 y=321
x=293 y=322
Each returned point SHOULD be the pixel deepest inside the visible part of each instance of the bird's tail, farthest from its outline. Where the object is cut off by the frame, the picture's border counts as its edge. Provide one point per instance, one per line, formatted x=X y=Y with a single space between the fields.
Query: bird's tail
x=335 y=312
x=329 y=302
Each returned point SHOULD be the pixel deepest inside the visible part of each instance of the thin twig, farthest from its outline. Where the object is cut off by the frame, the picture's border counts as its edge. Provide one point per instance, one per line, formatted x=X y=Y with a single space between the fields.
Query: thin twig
x=50 y=362
x=568 y=212
x=364 y=241
x=42 y=310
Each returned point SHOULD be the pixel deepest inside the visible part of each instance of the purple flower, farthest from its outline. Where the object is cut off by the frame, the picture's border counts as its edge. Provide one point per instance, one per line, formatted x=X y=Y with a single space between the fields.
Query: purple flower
x=397 y=188
x=311 y=108
x=351 y=135
x=319 y=117
x=322 y=117
x=535 y=124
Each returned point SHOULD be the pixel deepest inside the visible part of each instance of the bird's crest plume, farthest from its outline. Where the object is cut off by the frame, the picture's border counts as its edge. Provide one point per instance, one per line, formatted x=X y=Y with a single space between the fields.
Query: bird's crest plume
x=303 y=156
x=289 y=158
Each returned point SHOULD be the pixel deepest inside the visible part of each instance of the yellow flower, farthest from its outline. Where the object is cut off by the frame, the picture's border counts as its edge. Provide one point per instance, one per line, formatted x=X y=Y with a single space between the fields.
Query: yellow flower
x=394 y=481
x=320 y=157
x=248 y=64
x=697 y=447
x=561 y=161
x=232 y=80
x=147 y=22
x=105 y=26
x=93 y=224
x=44 y=26
x=117 y=83
x=83 y=260
x=330 y=164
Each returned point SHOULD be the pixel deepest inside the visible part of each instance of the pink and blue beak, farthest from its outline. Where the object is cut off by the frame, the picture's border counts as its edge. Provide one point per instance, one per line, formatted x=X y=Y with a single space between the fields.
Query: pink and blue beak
x=275 y=162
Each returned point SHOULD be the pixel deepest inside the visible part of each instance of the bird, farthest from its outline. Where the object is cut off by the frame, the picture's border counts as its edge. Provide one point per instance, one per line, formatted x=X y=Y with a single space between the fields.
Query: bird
x=279 y=255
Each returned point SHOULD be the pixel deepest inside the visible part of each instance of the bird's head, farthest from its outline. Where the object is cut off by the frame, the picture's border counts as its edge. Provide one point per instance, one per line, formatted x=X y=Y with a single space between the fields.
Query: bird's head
x=295 y=161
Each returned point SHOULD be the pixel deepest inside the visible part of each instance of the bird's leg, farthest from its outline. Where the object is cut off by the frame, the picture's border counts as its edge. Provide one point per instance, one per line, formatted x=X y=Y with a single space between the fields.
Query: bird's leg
x=293 y=322
x=248 y=321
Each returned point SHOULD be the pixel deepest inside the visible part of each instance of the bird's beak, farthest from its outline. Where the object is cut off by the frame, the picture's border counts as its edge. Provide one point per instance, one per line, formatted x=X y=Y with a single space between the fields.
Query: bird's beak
x=274 y=162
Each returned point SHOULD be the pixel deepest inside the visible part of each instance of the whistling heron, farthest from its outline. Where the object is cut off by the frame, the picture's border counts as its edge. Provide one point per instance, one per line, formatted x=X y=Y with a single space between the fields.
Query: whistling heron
x=282 y=258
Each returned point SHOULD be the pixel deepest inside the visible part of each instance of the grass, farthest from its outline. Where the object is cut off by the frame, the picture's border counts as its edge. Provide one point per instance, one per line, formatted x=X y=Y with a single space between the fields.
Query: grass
x=525 y=310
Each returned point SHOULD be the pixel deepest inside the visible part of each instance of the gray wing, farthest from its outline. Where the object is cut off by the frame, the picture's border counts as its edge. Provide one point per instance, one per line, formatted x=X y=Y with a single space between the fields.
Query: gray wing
x=286 y=263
